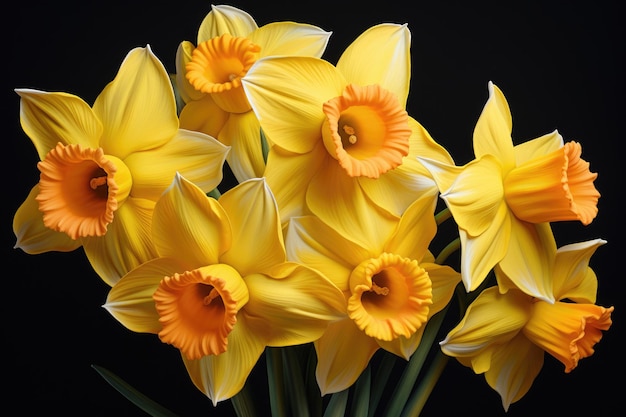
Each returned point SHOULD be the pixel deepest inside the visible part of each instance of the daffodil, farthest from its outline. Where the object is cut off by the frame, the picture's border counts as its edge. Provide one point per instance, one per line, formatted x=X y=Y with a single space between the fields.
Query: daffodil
x=103 y=167
x=505 y=335
x=221 y=289
x=341 y=135
x=391 y=283
x=210 y=74
x=500 y=197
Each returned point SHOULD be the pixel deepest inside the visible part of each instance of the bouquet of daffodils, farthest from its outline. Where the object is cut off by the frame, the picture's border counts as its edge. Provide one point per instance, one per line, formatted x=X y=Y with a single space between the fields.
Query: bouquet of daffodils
x=325 y=251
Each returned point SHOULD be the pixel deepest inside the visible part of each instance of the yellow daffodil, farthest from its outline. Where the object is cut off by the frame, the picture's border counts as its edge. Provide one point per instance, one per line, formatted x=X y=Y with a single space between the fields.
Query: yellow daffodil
x=498 y=198
x=505 y=335
x=210 y=74
x=221 y=289
x=341 y=135
x=390 y=281
x=103 y=167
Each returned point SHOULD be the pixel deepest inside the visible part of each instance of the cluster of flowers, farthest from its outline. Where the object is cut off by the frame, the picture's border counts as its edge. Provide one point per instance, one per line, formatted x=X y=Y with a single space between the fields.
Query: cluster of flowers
x=326 y=237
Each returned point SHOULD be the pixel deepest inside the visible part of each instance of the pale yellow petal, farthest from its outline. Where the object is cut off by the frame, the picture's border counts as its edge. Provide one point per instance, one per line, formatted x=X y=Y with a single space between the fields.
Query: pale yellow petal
x=204 y=115
x=538 y=147
x=243 y=133
x=222 y=376
x=491 y=319
x=33 y=237
x=190 y=226
x=257 y=239
x=293 y=304
x=126 y=244
x=481 y=253
x=444 y=281
x=340 y=202
x=196 y=156
x=528 y=260
x=573 y=279
x=514 y=367
x=130 y=300
x=421 y=144
x=343 y=352
x=225 y=19
x=309 y=241
x=138 y=108
x=183 y=56
x=287 y=93
x=290 y=38
x=492 y=134
x=415 y=230
x=288 y=176
x=50 y=118
x=380 y=55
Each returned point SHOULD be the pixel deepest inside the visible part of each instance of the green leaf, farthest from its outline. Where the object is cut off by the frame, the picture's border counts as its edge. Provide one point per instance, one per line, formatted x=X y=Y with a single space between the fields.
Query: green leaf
x=276 y=383
x=265 y=149
x=140 y=400
x=337 y=405
x=293 y=374
x=243 y=403
x=379 y=383
x=361 y=397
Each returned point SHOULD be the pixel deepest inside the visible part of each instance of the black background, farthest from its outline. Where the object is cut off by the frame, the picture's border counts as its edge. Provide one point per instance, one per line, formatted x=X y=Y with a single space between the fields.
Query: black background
x=559 y=63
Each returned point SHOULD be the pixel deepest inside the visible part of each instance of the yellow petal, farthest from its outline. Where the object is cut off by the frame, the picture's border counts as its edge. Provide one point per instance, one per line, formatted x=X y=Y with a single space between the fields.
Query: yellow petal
x=225 y=19
x=573 y=279
x=187 y=92
x=380 y=55
x=243 y=133
x=293 y=304
x=49 y=118
x=287 y=93
x=290 y=189
x=130 y=300
x=491 y=319
x=33 y=237
x=535 y=148
x=190 y=226
x=138 y=108
x=290 y=38
x=444 y=281
x=196 y=156
x=343 y=352
x=528 y=260
x=492 y=134
x=481 y=253
x=514 y=367
x=340 y=203
x=418 y=216
x=403 y=347
x=204 y=115
x=127 y=243
x=257 y=239
x=311 y=242
x=222 y=376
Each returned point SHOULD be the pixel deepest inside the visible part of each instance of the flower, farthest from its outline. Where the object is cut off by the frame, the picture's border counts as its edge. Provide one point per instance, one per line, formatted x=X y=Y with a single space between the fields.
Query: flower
x=499 y=198
x=505 y=335
x=391 y=283
x=103 y=167
x=210 y=77
x=221 y=289
x=341 y=135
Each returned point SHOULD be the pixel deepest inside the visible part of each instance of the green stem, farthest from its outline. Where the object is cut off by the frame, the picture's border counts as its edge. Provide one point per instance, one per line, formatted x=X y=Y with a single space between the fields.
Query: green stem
x=243 y=403
x=448 y=250
x=443 y=215
x=215 y=193
x=276 y=382
x=418 y=399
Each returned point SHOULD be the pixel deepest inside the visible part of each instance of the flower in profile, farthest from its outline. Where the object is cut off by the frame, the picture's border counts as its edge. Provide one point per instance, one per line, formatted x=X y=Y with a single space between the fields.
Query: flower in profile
x=103 y=167
x=505 y=335
x=500 y=197
x=391 y=283
x=209 y=75
x=221 y=289
x=341 y=135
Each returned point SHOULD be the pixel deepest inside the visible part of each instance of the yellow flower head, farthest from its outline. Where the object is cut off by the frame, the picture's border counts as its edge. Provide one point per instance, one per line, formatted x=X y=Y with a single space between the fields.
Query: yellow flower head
x=341 y=135
x=505 y=335
x=103 y=167
x=210 y=73
x=221 y=289
x=390 y=283
x=500 y=197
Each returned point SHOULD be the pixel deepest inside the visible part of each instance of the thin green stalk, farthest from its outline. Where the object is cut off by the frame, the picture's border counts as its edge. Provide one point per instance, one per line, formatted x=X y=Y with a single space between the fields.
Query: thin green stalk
x=243 y=403
x=361 y=396
x=448 y=250
x=215 y=193
x=379 y=383
x=443 y=215
x=276 y=382
x=418 y=399
x=293 y=375
x=337 y=405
